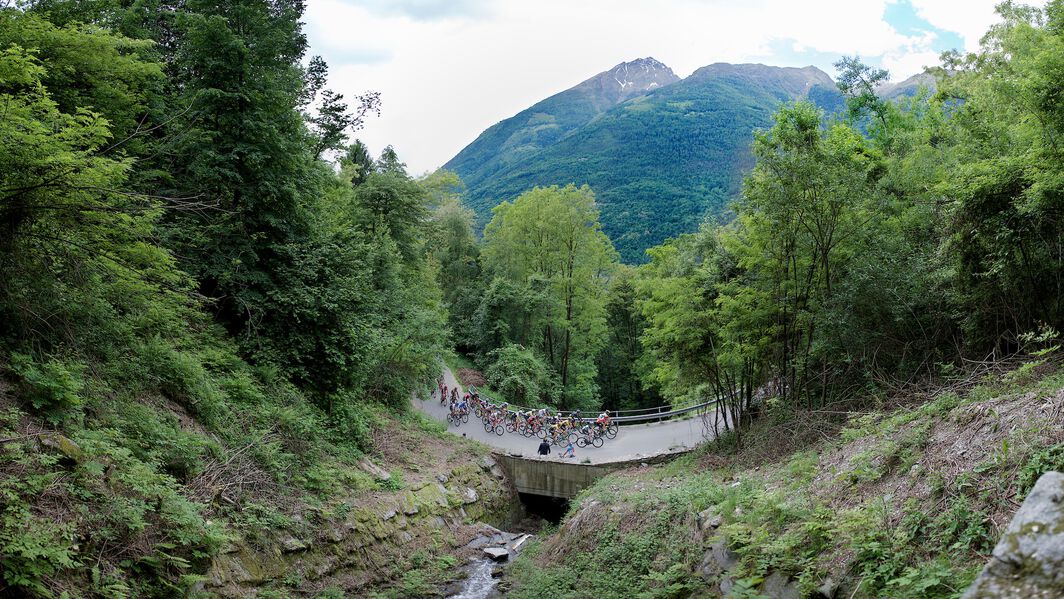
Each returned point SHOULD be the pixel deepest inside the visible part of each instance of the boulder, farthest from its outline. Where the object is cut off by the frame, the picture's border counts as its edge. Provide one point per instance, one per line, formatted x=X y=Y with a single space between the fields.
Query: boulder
x=779 y=586
x=470 y=496
x=496 y=554
x=63 y=445
x=718 y=560
x=1028 y=561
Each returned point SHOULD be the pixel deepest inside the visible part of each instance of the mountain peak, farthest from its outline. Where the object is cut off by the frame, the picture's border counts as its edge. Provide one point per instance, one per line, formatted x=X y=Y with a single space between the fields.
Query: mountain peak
x=630 y=79
x=795 y=80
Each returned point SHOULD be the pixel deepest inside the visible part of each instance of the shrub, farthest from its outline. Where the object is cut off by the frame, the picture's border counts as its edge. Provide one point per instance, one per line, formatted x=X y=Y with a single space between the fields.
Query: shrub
x=52 y=387
x=520 y=376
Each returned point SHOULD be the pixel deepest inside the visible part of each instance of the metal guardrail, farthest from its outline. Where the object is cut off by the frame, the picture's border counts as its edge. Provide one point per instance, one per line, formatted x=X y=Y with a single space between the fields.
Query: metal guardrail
x=663 y=415
x=648 y=417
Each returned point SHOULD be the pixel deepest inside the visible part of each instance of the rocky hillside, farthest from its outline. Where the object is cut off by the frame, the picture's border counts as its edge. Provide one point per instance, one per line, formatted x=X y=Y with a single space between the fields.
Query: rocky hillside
x=906 y=503
x=91 y=518
x=659 y=153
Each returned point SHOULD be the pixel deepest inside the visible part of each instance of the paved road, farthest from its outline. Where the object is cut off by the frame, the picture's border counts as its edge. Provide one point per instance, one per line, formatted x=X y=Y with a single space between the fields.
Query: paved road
x=633 y=442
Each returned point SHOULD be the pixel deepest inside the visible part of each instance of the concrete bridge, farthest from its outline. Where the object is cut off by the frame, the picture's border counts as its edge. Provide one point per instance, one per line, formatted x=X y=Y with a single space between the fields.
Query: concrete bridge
x=553 y=476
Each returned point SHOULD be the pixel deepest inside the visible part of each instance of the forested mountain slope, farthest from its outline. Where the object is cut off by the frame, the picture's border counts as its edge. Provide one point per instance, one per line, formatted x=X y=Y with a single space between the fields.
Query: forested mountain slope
x=658 y=161
x=512 y=140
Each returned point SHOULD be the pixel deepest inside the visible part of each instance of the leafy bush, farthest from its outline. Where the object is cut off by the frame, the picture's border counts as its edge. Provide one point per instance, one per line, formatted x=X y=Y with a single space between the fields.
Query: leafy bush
x=521 y=377
x=53 y=386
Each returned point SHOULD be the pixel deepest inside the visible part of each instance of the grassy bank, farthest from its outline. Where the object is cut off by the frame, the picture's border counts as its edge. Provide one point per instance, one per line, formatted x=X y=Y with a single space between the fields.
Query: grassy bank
x=901 y=503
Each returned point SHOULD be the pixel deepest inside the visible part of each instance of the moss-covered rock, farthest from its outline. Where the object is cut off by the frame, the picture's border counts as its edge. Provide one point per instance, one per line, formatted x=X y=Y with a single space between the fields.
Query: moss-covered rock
x=1029 y=559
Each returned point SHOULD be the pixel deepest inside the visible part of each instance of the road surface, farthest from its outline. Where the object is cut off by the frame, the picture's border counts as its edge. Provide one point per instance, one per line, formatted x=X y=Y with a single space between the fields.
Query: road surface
x=633 y=442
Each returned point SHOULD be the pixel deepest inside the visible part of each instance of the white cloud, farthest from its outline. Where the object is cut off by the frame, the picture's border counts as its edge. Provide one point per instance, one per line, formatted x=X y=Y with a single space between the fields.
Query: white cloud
x=447 y=74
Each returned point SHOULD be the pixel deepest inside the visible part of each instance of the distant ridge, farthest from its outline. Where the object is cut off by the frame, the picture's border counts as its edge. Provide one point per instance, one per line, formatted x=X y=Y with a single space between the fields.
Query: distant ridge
x=511 y=140
x=661 y=153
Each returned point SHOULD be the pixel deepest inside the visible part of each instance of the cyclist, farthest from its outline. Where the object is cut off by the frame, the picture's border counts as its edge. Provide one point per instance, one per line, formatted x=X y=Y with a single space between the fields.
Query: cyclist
x=603 y=421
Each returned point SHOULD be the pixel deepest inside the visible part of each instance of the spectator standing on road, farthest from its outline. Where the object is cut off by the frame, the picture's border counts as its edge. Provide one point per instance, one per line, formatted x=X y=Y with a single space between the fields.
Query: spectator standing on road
x=544 y=447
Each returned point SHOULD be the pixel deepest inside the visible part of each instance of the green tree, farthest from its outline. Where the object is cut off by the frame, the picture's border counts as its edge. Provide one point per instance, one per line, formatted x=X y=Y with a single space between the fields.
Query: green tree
x=356 y=163
x=453 y=246
x=623 y=357
x=1002 y=193
x=549 y=240
x=521 y=376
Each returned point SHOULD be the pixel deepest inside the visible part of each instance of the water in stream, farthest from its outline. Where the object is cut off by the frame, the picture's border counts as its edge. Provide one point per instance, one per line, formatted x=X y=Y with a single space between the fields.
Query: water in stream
x=480 y=583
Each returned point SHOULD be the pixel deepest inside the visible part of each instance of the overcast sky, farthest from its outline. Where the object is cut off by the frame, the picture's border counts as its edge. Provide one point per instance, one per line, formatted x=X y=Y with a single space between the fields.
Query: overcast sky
x=448 y=69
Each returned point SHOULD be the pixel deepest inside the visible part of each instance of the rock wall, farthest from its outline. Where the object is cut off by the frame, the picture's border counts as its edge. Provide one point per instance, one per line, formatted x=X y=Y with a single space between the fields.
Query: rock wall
x=367 y=544
x=1029 y=559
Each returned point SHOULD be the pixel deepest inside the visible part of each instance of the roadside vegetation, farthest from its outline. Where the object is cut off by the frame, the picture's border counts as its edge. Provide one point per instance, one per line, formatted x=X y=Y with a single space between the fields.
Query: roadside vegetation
x=904 y=502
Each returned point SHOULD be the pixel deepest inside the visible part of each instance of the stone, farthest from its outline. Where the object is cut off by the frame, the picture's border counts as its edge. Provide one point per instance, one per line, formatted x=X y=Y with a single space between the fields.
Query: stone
x=388 y=515
x=487 y=463
x=709 y=519
x=470 y=496
x=1028 y=561
x=290 y=544
x=442 y=478
x=478 y=542
x=326 y=566
x=335 y=533
x=516 y=546
x=779 y=586
x=828 y=590
x=374 y=470
x=404 y=537
x=63 y=445
x=718 y=560
x=497 y=554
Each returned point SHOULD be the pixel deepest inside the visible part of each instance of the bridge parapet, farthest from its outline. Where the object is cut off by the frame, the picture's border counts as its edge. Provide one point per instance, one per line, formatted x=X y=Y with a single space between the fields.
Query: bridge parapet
x=555 y=478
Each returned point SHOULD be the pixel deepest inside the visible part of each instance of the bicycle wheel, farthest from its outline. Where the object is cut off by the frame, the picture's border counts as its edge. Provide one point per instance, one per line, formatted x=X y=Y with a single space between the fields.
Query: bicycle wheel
x=581 y=442
x=488 y=427
x=499 y=430
x=465 y=417
x=597 y=441
x=611 y=431
x=571 y=437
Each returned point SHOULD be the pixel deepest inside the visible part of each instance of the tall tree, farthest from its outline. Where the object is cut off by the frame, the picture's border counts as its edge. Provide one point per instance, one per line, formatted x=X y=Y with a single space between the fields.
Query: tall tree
x=549 y=239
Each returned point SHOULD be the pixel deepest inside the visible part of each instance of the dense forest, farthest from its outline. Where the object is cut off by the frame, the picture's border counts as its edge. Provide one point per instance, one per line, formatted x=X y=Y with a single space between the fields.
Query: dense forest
x=189 y=234
x=187 y=237
x=886 y=245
